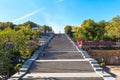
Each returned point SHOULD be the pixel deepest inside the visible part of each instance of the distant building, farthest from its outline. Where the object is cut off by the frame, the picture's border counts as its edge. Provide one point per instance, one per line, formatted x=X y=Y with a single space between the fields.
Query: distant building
x=35 y=28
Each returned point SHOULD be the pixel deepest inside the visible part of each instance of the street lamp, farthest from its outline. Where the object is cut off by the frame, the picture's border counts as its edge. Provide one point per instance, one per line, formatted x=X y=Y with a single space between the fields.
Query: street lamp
x=102 y=59
x=116 y=57
x=19 y=60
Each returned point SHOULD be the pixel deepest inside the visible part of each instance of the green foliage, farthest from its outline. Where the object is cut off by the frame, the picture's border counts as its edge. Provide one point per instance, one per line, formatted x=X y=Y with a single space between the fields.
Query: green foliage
x=113 y=29
x=4 y=25
x=91 y=30
x=46 y=29
x=4 y=59
x=17 y=28
x=31 y=24
x=35 y=34
x=17 y=67
x=102 y=32
x=102 y=64
x=78 y=34
x=68 y=30
x=15 y=42
x=96 y=31
x=10 y=42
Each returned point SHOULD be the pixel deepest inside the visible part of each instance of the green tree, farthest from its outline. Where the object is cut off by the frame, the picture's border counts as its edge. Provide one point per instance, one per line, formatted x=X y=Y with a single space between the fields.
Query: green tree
x=68 y=30
x=17 y=67
x=5 y=62
x=11 y=41
x=78 y=34
x=46 y=29
x=31 y=24
x=89 y=28
x=113 y=29
x=4 y=25
x=15 y=43
x=90 y=31
x=101 y=30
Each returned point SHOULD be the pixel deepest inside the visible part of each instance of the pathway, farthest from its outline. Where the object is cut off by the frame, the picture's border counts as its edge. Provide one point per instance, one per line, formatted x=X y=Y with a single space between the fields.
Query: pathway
x=62 y=61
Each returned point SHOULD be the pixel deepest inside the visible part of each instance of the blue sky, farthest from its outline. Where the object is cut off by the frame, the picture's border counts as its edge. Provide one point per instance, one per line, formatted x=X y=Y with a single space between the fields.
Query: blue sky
x=58 y=13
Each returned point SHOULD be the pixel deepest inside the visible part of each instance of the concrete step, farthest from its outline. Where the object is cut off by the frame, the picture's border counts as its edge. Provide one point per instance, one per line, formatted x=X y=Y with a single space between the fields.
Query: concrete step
x=96 y=65
x=23 y=69
x=98 y=69
x=25 y=66
x=88 y=74
x=94 y=62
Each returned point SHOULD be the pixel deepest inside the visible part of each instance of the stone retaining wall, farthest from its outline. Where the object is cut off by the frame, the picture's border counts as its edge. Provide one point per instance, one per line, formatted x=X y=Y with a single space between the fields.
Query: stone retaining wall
x=108 y=56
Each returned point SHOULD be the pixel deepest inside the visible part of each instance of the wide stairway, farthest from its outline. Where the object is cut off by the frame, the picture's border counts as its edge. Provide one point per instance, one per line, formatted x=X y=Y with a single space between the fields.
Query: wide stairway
x=61 y=61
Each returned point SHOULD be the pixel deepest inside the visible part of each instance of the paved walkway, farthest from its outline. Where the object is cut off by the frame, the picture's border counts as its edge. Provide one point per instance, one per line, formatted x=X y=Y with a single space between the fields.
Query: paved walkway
x=62 y=61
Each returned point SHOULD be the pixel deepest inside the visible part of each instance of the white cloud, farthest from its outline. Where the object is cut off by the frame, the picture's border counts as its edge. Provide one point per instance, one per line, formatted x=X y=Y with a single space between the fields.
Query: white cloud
x=58 y=1
x=27 y=15
x=53 y=22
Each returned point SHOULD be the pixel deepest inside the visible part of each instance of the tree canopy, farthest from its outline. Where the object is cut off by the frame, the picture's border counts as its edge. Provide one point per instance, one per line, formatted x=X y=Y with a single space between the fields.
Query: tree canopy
x=90 y=30
x=113 y=29
x=17 y=41
x=46 y=29
x=68 y=30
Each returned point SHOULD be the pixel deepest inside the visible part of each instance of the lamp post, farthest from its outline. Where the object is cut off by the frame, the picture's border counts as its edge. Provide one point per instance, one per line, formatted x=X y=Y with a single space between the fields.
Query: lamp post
x=117 y=59
x=19 y=60
x=102 y=64
x=102 y=59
